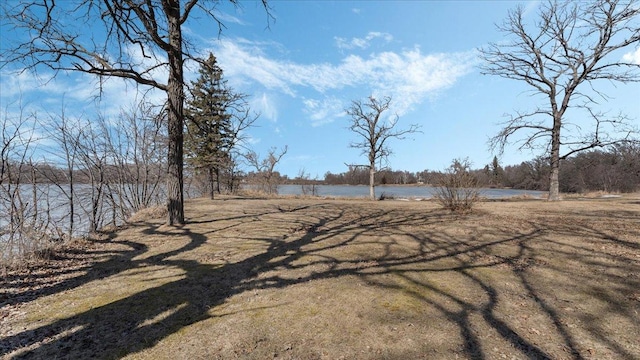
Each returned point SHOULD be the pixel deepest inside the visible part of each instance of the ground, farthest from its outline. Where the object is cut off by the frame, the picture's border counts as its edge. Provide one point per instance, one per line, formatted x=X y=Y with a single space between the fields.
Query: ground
x=340 y=279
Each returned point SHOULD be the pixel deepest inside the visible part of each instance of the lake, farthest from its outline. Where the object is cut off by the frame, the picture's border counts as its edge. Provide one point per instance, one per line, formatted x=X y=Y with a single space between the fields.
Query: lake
x=406 y=192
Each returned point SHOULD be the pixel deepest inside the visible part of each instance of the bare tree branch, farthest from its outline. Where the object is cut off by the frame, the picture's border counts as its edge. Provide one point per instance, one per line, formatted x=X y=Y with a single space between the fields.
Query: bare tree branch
x=129 y=39
x=571 y=47
x=374 y=131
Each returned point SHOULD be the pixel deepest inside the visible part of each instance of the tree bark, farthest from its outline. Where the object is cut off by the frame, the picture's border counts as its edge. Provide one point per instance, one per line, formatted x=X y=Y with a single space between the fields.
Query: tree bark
x=175 y=96
x=554 y=183
x=217 y=180
x=372 y=178
x=211 y=186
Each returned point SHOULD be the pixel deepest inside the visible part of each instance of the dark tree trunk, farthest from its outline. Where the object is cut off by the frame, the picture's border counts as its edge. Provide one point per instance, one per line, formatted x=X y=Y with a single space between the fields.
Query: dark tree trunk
x=212 y=189
x=372 y=176
x=175 y=96
x=554 y=182
x=217 y=180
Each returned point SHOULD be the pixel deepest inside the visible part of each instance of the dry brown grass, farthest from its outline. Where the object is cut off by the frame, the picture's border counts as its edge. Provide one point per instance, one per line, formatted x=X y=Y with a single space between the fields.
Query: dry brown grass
x=330 y=279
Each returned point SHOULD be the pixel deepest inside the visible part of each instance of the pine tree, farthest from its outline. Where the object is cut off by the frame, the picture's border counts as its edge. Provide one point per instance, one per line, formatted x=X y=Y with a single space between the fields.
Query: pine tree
x=210 y=134
x=497 y=173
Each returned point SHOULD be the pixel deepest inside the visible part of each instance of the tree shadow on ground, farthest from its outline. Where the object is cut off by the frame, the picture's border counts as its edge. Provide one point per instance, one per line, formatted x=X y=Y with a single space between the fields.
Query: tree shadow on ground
x=319 y=232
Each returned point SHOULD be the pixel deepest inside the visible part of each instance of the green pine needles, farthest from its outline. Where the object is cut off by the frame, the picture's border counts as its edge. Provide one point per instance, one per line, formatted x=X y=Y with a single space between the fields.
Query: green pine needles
x=216 y=116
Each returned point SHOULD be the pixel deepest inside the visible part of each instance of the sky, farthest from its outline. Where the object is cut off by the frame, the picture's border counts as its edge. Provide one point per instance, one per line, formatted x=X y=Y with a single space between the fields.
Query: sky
x=306 y=64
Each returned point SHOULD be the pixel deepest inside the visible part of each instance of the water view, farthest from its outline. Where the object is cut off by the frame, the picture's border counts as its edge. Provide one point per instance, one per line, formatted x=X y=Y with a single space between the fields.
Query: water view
x=402 y=192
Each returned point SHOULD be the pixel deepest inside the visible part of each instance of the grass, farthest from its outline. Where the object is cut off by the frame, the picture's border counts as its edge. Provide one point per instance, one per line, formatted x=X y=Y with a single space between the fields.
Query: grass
x=328 y=279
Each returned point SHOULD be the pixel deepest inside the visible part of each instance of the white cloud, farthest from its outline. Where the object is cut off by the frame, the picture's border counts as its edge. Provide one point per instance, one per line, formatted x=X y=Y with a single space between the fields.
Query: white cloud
x=228 y=18
x=408 y=76
x=77 y=91
x=632 y=57
x=323 y=111
x=362 y=43
x=356 y=10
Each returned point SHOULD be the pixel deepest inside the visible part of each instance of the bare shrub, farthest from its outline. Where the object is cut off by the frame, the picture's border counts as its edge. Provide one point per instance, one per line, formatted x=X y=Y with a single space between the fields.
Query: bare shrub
x=457 y=189
x=308 y=186
x=24 y=226
x=266 y=178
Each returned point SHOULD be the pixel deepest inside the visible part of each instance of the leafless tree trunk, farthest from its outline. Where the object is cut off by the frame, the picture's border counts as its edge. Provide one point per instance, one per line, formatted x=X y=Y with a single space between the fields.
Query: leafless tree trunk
x=233 y=172
x=23 y=226
x=564 y=57
x=93 y=158
x=265 y=168
x=119 y=29
x=66 y=134
x=374 y=131
x=133 y=143
x=241 y=119
x=308 y=185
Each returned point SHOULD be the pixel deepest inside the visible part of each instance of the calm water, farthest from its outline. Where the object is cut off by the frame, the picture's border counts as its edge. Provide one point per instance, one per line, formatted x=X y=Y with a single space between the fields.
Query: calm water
x=417 y=192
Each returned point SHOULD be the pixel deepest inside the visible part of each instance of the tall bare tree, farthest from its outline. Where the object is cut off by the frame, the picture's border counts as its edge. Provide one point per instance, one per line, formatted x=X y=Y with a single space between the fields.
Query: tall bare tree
x=374 y=131
x=572 y=49
x=129 y=39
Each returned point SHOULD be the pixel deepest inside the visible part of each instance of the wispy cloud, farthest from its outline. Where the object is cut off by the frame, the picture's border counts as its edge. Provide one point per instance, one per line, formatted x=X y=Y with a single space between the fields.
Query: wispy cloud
x=323 y=111
x=76 y=93
x=362 y=43
x=266 y=107
x=409 y=76
x=225 y=18
x=531 y=7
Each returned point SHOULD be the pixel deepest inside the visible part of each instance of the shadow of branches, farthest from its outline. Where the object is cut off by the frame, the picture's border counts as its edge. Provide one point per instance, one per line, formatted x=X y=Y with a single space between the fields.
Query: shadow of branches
x=519 y=285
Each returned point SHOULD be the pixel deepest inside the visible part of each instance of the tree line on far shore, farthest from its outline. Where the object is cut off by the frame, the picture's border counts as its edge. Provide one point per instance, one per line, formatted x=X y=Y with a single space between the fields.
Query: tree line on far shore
x=615 y=169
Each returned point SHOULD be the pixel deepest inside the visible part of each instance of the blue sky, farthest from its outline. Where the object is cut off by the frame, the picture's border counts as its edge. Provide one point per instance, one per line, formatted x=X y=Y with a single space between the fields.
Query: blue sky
x=317 y=56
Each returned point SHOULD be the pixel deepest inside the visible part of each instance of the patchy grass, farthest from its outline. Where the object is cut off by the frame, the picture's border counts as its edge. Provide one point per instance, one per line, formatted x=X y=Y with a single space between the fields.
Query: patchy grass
x=328 y=279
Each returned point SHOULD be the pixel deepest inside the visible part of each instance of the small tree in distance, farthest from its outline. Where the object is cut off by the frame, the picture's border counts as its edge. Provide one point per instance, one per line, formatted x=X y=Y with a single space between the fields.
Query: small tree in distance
x=374 y=131
x=268 y=178
x=457 y=189
x=308 y=185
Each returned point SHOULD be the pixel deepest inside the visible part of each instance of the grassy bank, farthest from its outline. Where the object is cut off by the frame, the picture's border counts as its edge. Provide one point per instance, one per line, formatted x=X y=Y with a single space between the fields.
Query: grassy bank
x=328 y=279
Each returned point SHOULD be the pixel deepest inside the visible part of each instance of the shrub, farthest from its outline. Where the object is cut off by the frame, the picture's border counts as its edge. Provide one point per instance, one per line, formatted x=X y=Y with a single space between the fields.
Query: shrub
x=457 y=189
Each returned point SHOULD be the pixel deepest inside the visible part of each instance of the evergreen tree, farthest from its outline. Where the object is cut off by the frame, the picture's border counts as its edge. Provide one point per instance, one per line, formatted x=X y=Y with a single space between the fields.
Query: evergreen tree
x=497 y=173
x=210 y=134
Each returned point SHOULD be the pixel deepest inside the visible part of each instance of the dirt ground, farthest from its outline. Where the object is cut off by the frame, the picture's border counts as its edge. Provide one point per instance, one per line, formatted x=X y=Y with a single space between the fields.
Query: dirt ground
x=340 y=279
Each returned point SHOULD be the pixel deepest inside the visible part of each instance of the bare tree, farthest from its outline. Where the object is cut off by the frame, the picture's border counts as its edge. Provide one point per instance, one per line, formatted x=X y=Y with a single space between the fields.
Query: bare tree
x=265 y=168
x=308 y=186
x=128 y=39
x=374 y=131
x=93 y=159
x=65 y=133
x=134 y=142
x=241 y=119
x=573 y=47
x=23 y=226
